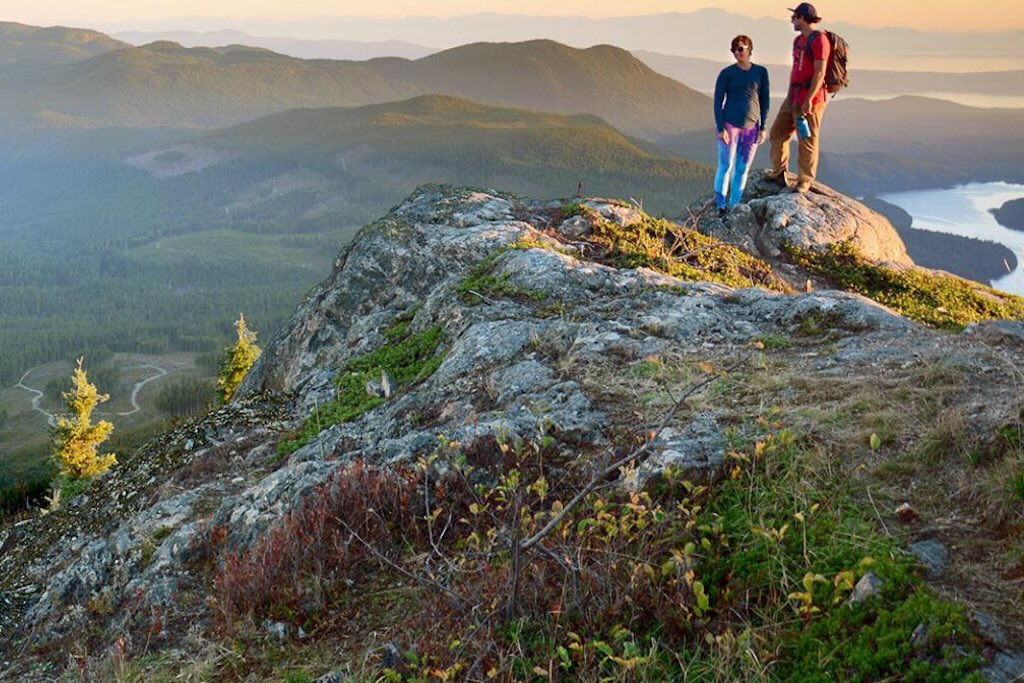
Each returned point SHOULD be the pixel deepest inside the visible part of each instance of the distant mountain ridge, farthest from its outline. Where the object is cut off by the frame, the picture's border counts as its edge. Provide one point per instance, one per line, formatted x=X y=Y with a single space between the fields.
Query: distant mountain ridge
x=701 y=73
x=294 y=47
x=702 y=33
x=51 y=45
x=165 y=84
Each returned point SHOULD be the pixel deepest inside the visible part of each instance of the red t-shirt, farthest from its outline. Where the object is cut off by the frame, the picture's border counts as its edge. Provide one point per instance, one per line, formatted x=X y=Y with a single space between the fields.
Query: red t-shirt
x=803 y=68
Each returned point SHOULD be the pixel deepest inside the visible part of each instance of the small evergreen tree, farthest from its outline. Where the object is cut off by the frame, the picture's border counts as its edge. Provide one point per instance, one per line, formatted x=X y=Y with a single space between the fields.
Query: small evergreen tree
x=237 y=361
x=76 y=440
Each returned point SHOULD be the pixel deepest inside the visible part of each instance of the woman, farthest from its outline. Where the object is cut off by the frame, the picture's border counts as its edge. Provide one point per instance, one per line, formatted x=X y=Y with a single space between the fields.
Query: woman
x=741 y=108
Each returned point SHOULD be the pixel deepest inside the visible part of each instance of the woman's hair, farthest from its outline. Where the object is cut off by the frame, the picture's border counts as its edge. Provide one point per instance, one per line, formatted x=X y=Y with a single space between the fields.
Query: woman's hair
x=742 y=40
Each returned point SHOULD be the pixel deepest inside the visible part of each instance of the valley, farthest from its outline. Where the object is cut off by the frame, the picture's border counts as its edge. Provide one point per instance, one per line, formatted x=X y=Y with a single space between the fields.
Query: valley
x=30 y=404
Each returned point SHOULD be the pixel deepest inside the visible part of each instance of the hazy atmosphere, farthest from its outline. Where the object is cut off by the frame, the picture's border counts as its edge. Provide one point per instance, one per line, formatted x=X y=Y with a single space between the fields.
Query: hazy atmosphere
x=922 y=14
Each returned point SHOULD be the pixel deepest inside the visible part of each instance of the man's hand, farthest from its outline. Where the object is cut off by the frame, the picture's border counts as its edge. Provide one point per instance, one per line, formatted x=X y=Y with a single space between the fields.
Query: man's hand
x=724 y=137
x=805 y=108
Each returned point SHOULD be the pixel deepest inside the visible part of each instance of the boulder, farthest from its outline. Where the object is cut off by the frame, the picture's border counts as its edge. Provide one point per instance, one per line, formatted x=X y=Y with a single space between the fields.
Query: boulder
x=771 y=217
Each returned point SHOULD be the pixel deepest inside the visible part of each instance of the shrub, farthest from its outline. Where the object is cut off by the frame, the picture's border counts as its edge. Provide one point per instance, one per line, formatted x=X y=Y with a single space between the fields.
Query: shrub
x=519 y=571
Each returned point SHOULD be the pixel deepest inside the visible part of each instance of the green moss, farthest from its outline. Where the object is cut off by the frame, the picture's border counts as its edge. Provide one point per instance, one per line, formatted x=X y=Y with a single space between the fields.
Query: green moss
x=774 y=341
x=407 y=358
x=668 y=248
x=483 y=281
x=785 y=515
x=147 y=551
x=935 y=300
x=905 y=634
x=817 y=324
x=1017 y=487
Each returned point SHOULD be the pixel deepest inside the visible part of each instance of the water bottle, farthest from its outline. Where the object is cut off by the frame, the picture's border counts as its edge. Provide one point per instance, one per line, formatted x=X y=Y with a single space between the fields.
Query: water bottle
x=803 y=129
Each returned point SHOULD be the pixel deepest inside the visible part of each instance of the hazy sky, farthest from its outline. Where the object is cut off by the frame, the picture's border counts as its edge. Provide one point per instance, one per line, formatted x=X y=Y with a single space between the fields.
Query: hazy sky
x=926 y=14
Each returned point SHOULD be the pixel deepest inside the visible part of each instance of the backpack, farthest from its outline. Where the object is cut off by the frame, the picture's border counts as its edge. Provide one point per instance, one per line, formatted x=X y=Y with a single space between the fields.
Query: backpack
x=837 y=76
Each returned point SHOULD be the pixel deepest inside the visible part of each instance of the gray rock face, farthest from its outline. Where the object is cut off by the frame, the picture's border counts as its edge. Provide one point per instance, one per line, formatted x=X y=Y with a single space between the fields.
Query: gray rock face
x=933 y=555
x=869 y=586
x=1005 y=668
x=695 y=452
x=770 y=218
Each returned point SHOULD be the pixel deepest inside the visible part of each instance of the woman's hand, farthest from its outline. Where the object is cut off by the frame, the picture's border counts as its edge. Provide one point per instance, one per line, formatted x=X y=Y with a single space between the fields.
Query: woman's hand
x=724 y=137
x=761 y=137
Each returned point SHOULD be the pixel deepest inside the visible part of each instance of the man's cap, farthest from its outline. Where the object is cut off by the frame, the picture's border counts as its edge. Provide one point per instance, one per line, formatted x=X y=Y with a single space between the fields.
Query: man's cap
x=807 y=11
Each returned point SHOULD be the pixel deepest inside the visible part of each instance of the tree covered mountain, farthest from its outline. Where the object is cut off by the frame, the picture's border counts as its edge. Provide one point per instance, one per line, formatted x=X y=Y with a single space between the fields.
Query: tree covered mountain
x=51 y=45
x=198 y=225
x=164 y=84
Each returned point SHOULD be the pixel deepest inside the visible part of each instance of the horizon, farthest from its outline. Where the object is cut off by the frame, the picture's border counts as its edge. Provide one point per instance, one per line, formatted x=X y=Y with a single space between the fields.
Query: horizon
x=119 y=15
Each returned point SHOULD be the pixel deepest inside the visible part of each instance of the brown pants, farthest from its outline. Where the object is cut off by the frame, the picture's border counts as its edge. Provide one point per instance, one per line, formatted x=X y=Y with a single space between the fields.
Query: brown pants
x=782 y=132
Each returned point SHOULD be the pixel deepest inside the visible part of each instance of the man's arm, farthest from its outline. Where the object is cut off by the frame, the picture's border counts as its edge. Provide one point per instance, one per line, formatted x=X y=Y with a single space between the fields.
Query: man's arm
x=820 y=49
x=817 y=82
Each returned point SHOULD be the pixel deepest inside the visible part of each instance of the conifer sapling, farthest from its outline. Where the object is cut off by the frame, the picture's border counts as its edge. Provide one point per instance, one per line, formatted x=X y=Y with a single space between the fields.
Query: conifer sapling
x=76 y=439
x=238 y=360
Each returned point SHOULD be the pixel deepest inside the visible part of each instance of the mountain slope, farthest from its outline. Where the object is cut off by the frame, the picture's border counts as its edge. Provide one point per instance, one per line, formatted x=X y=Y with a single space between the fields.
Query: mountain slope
x=148 y=211
x=549 y=76
x=364 y=159
x=500 y=427
x=164 y=84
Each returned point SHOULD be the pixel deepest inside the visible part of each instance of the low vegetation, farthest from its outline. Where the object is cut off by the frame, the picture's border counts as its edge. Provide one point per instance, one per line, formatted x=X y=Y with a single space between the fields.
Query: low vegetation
x=675 y=250
x=935 y=300
x=238 y=359
x=405 y=359
x=77 y=440
x=483 y=283
x=505 y=573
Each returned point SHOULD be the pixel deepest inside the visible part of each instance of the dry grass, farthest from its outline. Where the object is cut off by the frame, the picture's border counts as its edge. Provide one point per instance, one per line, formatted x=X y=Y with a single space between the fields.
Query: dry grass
x=935 y=423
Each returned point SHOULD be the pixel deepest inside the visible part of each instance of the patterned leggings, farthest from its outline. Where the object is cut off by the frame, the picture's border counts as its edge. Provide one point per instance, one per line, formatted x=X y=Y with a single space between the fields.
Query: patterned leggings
x=734 y=165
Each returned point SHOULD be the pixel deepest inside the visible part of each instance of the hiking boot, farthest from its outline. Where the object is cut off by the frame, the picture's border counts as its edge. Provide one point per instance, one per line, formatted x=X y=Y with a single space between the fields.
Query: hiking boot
x=776 y=179
x=801 y=188
x=723 y=212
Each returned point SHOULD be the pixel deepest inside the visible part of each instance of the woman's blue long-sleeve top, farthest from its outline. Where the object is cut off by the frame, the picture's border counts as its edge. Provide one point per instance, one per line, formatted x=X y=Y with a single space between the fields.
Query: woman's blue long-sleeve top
x=742 y=97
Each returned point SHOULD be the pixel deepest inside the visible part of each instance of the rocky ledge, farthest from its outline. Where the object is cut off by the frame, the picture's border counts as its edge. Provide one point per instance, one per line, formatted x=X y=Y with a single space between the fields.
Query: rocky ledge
x=463 y=316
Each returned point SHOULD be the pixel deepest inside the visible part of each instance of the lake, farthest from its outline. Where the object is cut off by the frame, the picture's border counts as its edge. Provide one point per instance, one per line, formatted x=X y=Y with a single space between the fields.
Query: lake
x=964 y=211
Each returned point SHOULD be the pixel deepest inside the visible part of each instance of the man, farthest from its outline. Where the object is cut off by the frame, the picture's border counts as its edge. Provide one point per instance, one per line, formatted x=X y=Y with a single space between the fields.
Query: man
x=807 y=97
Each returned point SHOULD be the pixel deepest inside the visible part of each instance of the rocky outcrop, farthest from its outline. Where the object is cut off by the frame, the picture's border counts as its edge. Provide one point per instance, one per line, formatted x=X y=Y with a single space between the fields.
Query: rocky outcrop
x=770 y=218
x=531 y=333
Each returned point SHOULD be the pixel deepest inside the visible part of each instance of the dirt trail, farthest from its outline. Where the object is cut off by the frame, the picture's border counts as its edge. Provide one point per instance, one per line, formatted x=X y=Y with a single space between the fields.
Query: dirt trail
x=160 y=372
x=37 y=395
